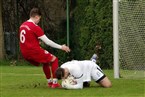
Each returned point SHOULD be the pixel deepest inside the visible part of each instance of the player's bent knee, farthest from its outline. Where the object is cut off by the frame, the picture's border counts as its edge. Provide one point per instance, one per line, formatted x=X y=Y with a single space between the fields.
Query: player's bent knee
x=106 y=83
x=53 y=59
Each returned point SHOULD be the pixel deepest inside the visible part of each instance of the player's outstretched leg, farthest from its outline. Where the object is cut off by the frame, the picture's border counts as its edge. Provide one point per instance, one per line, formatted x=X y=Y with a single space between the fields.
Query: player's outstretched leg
x=94 y=58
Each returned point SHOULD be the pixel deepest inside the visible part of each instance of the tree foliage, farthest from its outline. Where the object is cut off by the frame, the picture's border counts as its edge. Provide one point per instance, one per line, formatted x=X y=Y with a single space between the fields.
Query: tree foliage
x=53 y=21
x=93 y=25
x=90 y=24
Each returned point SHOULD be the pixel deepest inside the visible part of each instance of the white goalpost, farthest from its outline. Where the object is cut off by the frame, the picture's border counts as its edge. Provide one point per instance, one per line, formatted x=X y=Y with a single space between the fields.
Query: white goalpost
x=129 y=38
x=115 y=39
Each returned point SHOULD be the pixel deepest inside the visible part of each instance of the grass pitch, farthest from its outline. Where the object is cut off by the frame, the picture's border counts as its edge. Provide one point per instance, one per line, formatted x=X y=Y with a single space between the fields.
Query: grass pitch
x=29 y=81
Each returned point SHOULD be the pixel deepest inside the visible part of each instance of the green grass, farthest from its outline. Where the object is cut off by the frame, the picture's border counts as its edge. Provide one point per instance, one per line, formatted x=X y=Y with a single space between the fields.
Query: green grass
x=29 y=81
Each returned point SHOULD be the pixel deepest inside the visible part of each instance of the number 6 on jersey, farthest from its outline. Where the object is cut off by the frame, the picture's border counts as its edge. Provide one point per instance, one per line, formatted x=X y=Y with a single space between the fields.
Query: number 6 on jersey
x=22 y=36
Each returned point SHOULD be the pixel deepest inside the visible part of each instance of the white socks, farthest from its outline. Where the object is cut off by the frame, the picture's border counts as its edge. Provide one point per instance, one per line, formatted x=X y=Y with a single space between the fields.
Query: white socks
x=49 y=80
x=54 y=81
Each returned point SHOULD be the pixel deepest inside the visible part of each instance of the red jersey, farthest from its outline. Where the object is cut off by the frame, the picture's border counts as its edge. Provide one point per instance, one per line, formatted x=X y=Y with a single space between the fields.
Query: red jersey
x=28 y=35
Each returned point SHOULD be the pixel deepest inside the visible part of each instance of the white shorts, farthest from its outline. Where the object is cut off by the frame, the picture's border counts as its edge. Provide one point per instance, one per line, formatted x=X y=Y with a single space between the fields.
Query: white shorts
x=97 y=74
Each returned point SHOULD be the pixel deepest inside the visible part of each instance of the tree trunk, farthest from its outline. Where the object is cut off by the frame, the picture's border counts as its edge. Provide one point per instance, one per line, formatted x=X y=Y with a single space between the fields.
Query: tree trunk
x=1 y=34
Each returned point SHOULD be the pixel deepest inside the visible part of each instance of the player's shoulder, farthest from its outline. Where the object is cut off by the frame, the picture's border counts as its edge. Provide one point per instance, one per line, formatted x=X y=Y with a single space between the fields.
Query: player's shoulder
x=30 y=23
x=27 y=23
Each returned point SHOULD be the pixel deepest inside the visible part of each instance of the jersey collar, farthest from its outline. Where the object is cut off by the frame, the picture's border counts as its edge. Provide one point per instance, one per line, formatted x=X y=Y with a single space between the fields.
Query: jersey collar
x=30 y=20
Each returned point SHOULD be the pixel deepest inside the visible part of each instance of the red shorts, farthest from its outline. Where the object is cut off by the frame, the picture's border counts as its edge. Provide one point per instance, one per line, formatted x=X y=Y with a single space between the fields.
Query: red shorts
x=36 y=57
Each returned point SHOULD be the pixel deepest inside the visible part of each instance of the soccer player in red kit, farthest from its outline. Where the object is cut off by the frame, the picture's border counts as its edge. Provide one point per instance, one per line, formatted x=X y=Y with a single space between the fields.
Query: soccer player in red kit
x=29 y=35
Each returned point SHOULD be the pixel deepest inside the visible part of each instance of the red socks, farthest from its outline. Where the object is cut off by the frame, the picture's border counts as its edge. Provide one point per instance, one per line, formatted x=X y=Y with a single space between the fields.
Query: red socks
x=49 y=70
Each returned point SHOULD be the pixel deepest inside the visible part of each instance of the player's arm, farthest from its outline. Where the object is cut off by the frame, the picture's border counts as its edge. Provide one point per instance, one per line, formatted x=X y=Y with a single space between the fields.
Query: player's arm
x=53 y=44
x=50 y=42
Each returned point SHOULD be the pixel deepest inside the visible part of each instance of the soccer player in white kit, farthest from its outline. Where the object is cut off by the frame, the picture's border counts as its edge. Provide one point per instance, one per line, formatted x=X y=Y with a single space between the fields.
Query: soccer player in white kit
x=82 y=71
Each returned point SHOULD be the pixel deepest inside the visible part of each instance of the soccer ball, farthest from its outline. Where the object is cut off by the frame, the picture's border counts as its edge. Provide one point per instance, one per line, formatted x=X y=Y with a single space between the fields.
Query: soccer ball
x=68 y=81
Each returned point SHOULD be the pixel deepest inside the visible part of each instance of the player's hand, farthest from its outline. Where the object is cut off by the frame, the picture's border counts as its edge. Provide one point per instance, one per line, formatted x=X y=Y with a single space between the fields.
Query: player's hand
x=65 y=48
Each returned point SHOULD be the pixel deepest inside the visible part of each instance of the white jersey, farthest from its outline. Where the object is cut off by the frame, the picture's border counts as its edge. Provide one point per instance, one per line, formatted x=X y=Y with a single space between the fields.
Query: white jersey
x=83 y=70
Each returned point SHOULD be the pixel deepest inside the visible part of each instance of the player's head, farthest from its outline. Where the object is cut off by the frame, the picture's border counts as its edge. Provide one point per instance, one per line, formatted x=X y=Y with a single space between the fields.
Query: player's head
x=35 y=14
x=59 y=73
